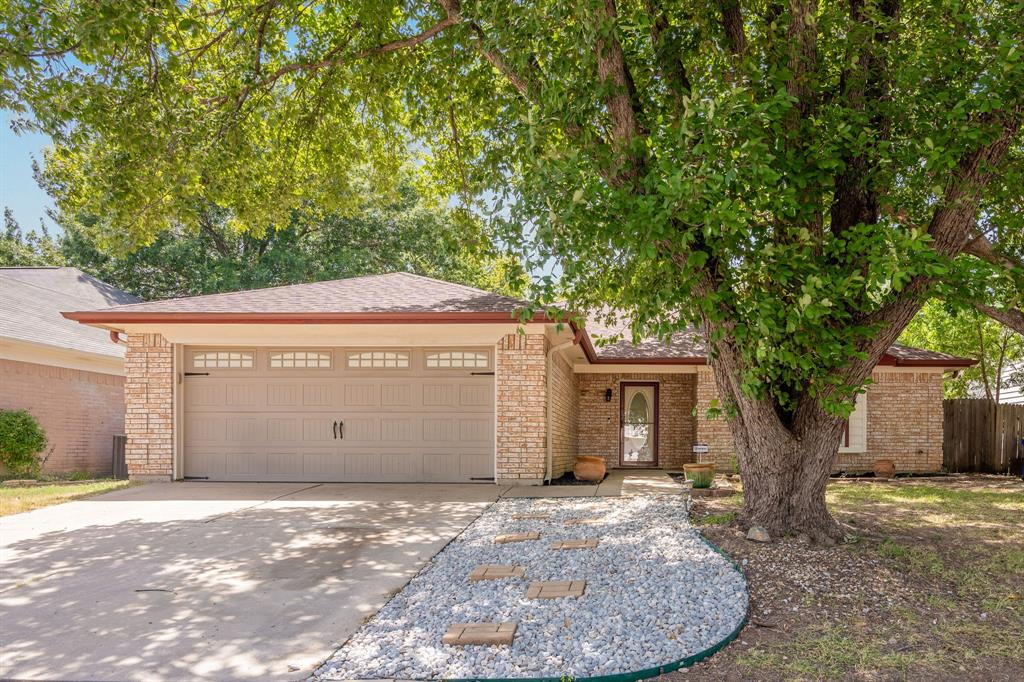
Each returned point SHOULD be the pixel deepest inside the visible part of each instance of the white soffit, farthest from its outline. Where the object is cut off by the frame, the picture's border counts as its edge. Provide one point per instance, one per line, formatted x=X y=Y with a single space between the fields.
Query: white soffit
x=329 y=334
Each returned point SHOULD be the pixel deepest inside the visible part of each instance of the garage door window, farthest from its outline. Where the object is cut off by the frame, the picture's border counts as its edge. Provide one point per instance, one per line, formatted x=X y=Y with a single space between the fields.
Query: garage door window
x=379 y=359
x=224 y=359
x=300 y=359
x=456 y=358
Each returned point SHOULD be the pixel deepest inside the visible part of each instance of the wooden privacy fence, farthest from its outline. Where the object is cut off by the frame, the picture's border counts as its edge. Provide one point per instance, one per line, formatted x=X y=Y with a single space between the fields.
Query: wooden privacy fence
x=980 y=435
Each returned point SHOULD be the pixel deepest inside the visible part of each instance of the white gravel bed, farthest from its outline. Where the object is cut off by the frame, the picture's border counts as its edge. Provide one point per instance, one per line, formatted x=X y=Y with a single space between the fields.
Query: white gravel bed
x=655 y=593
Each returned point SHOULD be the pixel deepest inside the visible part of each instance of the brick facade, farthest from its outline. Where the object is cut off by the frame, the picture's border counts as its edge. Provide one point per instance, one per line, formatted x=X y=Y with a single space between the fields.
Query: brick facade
x=564 y=396
x=149 y=393
x=904 y=414
x=80 y=411
x=599 y=419
x=521 y=408
x=904 y=423
x=713 y=432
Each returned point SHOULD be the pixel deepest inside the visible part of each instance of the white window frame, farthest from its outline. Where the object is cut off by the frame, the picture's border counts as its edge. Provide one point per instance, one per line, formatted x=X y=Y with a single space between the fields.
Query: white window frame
x=378 y=359
x=320 y=354
x=858 y=424
x=451 y=359
x=245 y=355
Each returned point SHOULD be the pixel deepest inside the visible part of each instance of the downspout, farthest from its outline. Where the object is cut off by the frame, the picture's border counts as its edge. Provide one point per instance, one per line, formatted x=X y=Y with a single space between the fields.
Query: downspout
x=547 y=376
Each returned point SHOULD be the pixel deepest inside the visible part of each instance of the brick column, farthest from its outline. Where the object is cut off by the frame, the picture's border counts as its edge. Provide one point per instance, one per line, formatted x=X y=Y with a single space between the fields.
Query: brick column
x=714 y=432
x=149 y=407
x=521 y=409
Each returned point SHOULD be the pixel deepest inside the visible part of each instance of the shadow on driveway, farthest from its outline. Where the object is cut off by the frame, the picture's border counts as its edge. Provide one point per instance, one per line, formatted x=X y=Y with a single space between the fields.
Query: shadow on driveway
x=213 y=581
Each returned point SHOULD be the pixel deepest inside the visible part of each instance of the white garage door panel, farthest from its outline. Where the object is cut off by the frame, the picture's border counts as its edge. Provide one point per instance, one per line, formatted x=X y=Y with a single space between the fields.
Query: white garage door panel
x=399 y=425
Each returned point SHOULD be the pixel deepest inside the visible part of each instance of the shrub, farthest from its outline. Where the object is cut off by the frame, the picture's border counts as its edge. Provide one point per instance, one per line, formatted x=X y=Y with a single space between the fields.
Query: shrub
x=21 y=441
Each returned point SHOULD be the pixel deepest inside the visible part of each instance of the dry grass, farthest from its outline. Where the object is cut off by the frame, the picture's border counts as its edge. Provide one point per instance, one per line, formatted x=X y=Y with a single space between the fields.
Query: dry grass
x=933 y=588
x=17 y=500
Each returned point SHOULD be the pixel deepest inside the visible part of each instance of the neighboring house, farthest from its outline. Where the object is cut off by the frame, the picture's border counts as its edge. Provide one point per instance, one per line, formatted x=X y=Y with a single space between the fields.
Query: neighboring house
x=1013 y=393
x=71 y=377
x=403 y=378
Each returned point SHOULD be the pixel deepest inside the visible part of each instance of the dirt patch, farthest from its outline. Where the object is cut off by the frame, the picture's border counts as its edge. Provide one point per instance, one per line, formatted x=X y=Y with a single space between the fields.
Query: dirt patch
x=932 y=588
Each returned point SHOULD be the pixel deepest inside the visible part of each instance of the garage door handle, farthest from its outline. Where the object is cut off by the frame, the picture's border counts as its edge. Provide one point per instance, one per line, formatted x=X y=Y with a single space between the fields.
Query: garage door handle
x=341 y=428
x=335 y=430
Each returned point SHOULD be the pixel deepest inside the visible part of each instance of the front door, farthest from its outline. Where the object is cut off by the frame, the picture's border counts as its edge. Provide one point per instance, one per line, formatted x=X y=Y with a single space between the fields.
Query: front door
x=638 y=420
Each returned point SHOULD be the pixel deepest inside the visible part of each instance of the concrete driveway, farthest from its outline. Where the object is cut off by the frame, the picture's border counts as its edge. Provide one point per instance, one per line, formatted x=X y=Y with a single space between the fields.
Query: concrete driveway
x=212 y=581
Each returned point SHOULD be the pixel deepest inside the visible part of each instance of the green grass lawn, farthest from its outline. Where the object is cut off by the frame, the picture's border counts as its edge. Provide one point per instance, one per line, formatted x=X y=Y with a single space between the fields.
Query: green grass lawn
x=17 y=500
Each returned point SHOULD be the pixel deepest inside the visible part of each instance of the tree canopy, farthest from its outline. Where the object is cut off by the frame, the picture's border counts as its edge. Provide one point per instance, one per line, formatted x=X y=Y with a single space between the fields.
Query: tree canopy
x=403 y=232
x=796 y=178
x=970 y=334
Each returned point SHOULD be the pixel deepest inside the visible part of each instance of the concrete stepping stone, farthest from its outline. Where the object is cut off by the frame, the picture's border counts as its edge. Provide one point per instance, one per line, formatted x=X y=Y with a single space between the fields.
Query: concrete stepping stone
x=486 y=634
x=583 y=522
x=575 y=544
x=515 y=537
x=497 y=572
x=530 y=517
x=556 y=589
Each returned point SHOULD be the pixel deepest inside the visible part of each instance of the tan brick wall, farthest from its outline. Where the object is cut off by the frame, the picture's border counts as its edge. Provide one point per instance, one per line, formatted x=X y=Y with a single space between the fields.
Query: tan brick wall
x=521 y=408
x=564 y=415
x=80 y=411
x=149 y=396
x=599 y=420
x=904 y=422
x=714 y=432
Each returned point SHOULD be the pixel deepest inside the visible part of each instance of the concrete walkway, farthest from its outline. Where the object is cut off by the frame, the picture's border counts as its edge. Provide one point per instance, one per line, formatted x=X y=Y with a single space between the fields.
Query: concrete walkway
x=625 y=482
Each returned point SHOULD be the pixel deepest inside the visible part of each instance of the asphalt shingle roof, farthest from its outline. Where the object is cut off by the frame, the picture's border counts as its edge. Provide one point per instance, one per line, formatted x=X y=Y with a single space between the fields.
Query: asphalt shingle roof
x=396 y=292
x=401 y=292
x=31 y=301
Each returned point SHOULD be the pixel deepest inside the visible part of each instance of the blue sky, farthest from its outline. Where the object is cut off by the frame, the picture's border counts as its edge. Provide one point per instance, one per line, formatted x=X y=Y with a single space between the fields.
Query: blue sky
x=18 y=189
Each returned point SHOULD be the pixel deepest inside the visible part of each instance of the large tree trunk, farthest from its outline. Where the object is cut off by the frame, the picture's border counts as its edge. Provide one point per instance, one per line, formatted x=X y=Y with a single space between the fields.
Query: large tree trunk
x=785 y=468
x=784 y=479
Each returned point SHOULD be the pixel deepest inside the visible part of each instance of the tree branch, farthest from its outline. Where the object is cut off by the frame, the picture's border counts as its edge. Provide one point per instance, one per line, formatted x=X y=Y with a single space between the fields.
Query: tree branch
x=332 y=57
x=855 y=200
x=614 y=75
x=979 y=246
x=732 y=24
x=525 y=88
x=666 y=53
x=1009 y=317
x=950 y=224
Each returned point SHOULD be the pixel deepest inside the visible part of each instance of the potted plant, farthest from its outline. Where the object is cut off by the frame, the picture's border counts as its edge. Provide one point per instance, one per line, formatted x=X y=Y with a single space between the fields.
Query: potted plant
x=589 y=468
x=700 y=474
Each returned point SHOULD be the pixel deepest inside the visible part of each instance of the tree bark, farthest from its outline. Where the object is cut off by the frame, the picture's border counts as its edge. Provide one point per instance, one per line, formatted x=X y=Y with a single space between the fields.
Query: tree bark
x=785 y=467
x=784 y=482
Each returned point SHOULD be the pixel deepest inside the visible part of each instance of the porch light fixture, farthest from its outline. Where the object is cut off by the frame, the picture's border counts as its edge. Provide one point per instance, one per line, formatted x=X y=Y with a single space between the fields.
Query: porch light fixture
x=607 y=395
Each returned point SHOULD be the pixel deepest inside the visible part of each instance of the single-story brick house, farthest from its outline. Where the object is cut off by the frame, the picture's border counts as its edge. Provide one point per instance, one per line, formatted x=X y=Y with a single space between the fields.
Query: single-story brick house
x=70 y=377
x=404 y=378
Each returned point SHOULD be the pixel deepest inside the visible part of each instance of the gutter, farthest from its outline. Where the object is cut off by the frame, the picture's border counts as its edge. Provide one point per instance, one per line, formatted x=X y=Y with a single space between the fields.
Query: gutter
x=547 y=387
x=139 y=317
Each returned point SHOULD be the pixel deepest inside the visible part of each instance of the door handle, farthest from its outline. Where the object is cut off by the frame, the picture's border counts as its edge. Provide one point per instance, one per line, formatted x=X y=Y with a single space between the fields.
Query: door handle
x=335 y=430
x=341 y=428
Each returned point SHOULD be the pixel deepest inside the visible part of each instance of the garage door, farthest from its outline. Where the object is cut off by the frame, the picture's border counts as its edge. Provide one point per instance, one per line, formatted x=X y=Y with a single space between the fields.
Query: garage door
x=339 y=414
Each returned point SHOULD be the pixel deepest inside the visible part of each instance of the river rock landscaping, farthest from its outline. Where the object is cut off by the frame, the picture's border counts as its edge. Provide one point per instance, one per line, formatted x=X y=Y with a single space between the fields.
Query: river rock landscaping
x=655 y=593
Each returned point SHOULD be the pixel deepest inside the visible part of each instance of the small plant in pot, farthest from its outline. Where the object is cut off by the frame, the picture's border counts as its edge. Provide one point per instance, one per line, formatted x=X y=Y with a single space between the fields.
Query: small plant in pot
x=21 y=441
x=701 y=475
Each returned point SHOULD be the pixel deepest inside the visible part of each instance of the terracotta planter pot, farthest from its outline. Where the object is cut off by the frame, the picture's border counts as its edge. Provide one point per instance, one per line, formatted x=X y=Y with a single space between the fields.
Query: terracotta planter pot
x=588 y=468
x=885 y=468
x=700 y=474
